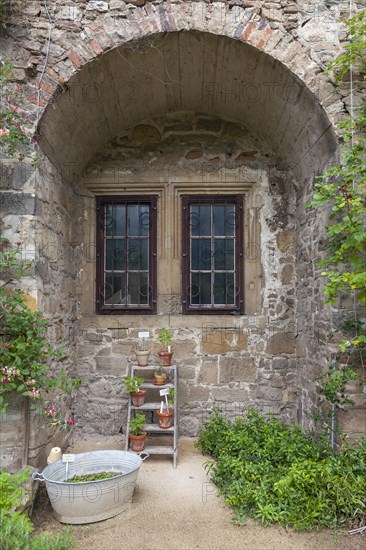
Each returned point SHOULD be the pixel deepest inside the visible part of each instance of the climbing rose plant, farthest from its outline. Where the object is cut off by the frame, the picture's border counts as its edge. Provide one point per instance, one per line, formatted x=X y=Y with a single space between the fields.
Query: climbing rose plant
x=26 y=357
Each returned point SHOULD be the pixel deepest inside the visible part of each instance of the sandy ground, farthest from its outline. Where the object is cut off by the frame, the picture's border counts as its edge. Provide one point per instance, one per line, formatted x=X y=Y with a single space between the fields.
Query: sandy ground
x=179 y=509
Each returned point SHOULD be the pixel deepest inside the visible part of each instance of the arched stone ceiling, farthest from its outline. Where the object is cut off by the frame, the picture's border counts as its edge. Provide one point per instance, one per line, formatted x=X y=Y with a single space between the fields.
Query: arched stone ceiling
x=186 y=71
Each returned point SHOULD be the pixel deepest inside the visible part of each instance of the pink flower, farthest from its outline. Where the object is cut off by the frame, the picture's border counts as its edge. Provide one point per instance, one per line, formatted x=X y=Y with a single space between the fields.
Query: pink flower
x=34 y=393
x=50 y=411
x=5 y=379
x=71 y=422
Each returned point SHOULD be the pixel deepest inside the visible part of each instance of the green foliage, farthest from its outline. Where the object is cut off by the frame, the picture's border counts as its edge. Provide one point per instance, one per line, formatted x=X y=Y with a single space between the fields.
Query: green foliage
x=354 y=51
x=165 y=337
x=25 y=353
x=16 y=528
x=14 y=139
x=11 y=491
x=342 y=187
x=343 y=190
x=137 y=424
x=333 y=384
x=133 y=383
x=93 y=477
x=15 y=534
x=172 y=394
x=278 y=474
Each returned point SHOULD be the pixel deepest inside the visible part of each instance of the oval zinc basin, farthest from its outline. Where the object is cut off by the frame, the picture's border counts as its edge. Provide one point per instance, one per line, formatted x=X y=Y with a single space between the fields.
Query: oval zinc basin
x=90 y=501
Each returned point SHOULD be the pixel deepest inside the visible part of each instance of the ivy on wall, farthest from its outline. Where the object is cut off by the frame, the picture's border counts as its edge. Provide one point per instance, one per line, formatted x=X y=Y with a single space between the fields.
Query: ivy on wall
x=342 y=188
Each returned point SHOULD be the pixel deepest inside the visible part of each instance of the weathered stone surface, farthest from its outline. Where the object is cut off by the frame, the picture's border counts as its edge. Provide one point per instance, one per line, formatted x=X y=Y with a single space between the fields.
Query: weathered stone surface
x=353 y=420
x=190 y=393
x=19 y=204
x=97 y=5
x=183 y=349
x=187 y=373
x=208 y=372
x=145 y=134
x=229 y=394
x=193 y=155
x=112 y=365
x=125 y=349
x=286 y=241
x=287 y=274
x=190 y=425
x=237 y=369
x=269 y=393
x=209 y=124
x=222 y=341
x=281 y=343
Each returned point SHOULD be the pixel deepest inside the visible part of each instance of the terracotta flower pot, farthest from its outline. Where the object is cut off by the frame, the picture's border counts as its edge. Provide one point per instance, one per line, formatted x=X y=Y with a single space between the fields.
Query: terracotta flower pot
x=142 y=357
x=138 y=398
x=166 y=357
x=165 y=418
x=137 y=442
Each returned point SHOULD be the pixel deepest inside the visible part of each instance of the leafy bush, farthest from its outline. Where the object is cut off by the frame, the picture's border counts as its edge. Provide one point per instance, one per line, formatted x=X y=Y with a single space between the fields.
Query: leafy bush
x=278 y=474
x=25 y=353
x=11 y=491
x=16 y=528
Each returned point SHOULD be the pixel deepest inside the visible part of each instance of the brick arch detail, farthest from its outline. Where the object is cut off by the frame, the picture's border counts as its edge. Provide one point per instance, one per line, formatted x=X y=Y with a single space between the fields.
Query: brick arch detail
x=106 y=33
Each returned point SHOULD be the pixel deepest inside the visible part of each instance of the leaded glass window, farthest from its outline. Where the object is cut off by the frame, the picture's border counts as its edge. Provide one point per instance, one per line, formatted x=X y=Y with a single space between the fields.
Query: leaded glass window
x=212 y=254
x=126 y=255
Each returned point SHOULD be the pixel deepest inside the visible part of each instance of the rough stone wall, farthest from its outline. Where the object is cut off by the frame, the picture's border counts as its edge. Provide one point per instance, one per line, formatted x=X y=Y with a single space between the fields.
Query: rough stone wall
x=228 y=362
x=48 y=43
x=72 y=33
x=36 y=208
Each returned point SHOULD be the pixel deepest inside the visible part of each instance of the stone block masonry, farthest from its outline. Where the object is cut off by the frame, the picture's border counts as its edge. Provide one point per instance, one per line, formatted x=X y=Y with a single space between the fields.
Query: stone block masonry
x=173 y=98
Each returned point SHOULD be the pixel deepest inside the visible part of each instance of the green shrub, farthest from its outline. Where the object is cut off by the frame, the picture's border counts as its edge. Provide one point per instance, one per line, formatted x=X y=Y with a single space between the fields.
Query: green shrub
x=278 y=474
x=11 y=491
x=16 y=528
x=26 y=356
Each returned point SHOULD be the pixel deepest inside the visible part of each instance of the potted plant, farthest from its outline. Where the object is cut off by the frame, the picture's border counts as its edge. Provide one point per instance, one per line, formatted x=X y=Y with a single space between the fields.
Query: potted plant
x=133 y=384
x=160 y=376
x=165 y=338
x=136 y=433
x=166 y=414
x=142 y=353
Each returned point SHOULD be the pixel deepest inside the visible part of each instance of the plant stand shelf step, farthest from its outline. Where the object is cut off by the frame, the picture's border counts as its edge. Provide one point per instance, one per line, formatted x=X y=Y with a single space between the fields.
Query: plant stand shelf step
x=171 y=446
x=159 y=450
x=146 y=407
x=155 y=428
x=150 y=385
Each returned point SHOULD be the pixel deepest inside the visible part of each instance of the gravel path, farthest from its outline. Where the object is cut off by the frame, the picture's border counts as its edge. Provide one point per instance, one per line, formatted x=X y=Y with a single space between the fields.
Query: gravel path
x=178 y=509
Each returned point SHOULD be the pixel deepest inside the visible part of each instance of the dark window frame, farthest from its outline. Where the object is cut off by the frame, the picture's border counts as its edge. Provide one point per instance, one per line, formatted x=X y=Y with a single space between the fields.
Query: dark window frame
x=122 y=309
x=238 y=306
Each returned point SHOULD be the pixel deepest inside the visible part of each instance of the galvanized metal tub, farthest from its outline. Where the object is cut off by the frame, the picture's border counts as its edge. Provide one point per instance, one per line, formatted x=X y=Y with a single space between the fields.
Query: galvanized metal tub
x=87 y=502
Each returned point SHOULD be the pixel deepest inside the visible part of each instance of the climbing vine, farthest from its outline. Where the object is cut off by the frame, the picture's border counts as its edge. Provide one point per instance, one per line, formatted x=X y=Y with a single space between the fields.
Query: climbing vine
x=342 y=188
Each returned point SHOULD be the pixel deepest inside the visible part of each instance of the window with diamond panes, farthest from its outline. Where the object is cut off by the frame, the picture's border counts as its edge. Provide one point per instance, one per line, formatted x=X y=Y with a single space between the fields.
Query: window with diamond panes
x=126 y=253
x=212 y=255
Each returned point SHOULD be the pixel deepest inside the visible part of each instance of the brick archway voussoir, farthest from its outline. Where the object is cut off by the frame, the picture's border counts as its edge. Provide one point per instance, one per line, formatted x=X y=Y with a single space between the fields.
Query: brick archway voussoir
x=104 y=34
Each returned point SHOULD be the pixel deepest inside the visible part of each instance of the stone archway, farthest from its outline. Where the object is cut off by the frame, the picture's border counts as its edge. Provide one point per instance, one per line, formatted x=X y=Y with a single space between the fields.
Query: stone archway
x=187 y=58
x=254 y=74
